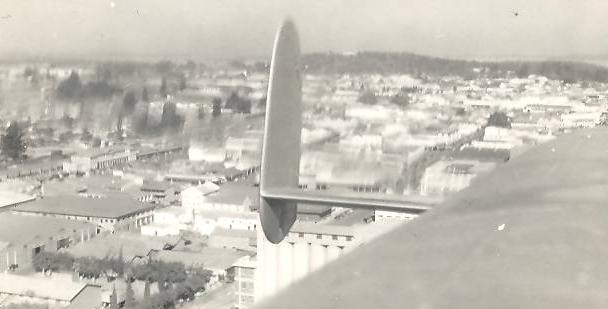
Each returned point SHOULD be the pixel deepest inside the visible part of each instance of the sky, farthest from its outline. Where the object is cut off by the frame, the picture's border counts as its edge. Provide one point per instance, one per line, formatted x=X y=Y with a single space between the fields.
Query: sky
x=233 y=29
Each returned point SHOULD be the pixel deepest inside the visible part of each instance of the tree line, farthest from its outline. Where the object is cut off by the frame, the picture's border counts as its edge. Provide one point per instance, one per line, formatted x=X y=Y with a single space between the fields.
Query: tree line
x=175 y=281
x=413 y=64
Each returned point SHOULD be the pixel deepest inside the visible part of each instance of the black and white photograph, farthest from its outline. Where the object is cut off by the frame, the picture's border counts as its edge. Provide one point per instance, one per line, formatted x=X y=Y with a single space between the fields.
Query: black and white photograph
x=262 y=154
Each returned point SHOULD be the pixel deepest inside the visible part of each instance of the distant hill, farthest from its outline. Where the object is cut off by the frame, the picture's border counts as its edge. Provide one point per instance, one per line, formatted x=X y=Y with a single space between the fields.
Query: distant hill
x=407 y=63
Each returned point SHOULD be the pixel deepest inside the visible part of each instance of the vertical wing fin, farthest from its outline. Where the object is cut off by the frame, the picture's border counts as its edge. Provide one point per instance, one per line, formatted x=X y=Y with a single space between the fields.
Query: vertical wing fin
x=281 y=149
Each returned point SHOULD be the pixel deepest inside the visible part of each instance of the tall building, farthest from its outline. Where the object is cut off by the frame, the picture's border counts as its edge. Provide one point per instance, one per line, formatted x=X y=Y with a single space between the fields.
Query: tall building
x=307 y=247
x=243 y=272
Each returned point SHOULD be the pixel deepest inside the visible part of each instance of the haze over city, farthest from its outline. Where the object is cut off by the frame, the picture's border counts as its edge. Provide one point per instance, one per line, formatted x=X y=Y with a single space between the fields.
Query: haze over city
x=235 y=154
x=212 y=29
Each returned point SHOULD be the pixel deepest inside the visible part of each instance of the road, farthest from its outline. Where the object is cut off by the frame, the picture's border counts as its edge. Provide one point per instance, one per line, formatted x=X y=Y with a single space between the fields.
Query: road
x=220 y=298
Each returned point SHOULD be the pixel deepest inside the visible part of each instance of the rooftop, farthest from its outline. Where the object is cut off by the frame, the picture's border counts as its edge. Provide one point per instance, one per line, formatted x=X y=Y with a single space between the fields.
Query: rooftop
x=234 y=193
x=216 y=214
x=319 y=228
x=10 y=198
x=221 y=232
x=103 y=207
x=18 y=229
x=41 y=286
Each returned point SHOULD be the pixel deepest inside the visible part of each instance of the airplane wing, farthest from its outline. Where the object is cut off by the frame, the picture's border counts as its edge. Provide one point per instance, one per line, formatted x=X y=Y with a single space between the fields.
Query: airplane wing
x=279 y=194
x=531 y=234
x=410 y=204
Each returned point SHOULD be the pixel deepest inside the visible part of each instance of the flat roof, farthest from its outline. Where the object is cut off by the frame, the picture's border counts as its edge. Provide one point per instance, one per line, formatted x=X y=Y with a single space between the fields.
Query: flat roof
x=41 y=286
x=322 y=228
x=216 y=214
x=10 y=198
x=102 y=207
x=234 y=193
x=98 y=152
x=20 y=229
x=221 y=232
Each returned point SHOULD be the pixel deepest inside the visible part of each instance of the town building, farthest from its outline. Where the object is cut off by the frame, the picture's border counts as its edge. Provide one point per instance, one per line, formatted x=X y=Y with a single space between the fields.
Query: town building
x=11 y=199
x=97 y=159
x=448 y=176
x=307 y=248
x=243 y=274
x=56 y=291
x=109 y=213
x=238 y=197
x=22 y=237
x=169 y=221
x=41 y=168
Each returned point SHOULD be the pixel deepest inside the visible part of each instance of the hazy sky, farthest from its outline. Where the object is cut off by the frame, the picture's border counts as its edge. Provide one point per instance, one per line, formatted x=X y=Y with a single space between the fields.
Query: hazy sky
x=212 y=29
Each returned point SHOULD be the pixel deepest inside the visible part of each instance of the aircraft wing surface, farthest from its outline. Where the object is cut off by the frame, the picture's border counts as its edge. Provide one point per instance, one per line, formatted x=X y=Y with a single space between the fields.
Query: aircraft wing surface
x=531 y=234
x=412 y=204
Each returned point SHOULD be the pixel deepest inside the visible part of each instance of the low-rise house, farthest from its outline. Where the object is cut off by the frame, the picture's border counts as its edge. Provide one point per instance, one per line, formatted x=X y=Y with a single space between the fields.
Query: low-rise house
x=169 y=221
x=230 y=197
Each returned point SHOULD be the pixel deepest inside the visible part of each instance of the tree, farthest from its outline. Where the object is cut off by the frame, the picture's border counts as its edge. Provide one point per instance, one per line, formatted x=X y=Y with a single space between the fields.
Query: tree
x=86 y=136
x=144 y=95
x=129 y=295
x=368 y=97
x=164 y=67
x=99 y=89
x=400 y=99
x=163 y=88
x=244 y=106
x=114 y=299
x=13 y=145
x=499 y=119
x=128 y=103
x=103 y=72
x=147 y=289
x=238 y=104
x=232 y=101
x=44 y=261
x=31 y=75
x=170 y=120
x=262 y=102
x=120 y=263
x=70 y=88
x=217 y=107
x=182 y=82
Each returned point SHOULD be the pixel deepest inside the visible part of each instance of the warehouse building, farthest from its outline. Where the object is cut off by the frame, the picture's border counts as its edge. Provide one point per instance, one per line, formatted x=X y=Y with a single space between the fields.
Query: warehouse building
x=108 y=213
x=22 y=237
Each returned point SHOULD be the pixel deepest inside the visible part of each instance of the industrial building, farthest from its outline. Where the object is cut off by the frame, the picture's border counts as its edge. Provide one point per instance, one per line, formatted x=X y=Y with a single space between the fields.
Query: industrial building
x=22 y=237
x=110 y=213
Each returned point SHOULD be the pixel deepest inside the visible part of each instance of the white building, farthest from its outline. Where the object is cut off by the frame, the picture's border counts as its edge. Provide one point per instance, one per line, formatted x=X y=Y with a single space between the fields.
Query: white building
x=581 y=120
x=307 y=248
x=451 y=176
x=206 y=222
x=243 y=272
x=235 y=197
x=96 y=159
x=168 y=221
x=193 y=196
